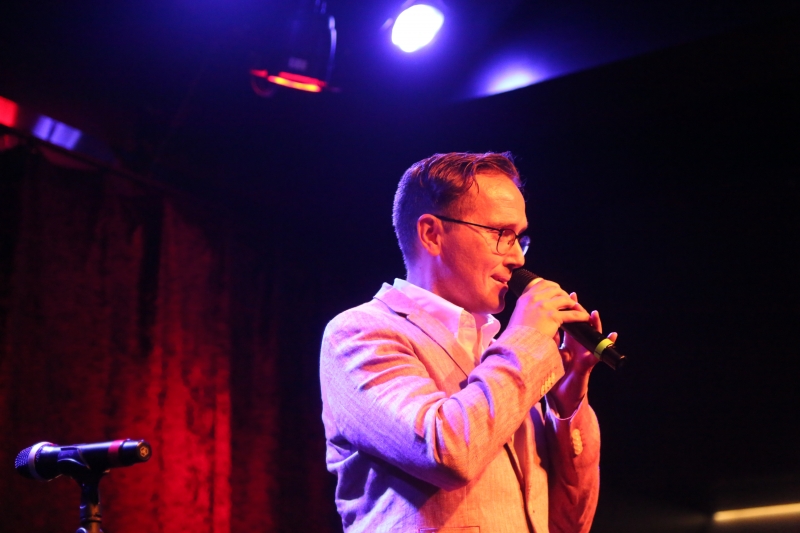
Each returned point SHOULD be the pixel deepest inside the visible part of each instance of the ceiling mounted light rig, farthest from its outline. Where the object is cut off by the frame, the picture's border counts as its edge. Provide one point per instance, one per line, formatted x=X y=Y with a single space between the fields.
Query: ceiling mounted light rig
x=417 y=24
x=301 y=54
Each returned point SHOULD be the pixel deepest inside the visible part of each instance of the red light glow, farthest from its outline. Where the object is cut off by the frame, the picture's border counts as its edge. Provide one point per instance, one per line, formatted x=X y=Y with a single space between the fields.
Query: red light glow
x=310 y=87
x=296 y=81
x=293 y=81
x=301 y=79
x=8 y=112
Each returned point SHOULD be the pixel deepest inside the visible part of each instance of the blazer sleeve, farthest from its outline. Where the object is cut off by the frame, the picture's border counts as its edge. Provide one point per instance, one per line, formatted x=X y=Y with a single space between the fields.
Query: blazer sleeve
x=378 y=397
x=573 y=446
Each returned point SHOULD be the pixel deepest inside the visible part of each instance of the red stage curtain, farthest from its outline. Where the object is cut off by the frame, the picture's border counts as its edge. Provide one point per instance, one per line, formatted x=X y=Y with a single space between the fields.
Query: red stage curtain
x=127 y=312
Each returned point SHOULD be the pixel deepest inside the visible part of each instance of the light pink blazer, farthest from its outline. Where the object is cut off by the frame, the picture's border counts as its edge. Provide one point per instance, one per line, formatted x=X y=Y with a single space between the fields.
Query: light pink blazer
x=422 y=440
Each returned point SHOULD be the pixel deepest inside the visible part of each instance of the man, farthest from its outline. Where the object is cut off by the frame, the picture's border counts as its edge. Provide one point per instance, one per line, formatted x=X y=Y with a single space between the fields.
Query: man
x=433 y=425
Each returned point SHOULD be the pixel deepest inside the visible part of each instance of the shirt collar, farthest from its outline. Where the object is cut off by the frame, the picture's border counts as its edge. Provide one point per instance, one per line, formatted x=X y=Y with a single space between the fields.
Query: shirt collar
x=449 y=313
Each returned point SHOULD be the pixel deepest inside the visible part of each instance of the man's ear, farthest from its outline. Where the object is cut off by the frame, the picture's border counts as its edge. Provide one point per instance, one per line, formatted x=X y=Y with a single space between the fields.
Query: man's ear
x=429 y=233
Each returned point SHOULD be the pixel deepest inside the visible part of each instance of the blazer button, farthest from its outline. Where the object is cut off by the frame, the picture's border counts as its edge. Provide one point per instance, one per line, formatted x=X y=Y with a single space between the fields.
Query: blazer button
x=577 y=443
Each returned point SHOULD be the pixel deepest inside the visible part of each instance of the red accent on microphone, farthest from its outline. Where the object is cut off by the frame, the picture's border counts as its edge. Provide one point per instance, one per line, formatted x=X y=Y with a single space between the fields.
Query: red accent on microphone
x=113 y=452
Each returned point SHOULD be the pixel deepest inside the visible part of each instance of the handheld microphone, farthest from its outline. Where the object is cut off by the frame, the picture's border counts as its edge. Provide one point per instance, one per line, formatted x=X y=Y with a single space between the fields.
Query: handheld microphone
x=45 y=461
x=583 y=332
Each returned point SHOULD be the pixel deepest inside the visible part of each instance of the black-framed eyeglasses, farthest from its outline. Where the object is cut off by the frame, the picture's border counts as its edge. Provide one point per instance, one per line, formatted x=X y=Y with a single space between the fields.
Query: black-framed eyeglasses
x=505 y=237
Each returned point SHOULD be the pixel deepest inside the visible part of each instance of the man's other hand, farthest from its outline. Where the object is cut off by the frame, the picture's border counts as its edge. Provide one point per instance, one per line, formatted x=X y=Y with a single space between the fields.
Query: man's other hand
x=578 y=363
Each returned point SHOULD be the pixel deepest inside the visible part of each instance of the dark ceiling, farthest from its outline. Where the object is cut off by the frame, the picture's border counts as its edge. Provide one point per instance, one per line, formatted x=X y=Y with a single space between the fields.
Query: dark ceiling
x=132 y=74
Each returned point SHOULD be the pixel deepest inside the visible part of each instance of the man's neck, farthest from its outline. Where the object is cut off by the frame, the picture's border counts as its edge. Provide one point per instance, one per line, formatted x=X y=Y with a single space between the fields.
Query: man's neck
x=426 y=278
x=417 y=277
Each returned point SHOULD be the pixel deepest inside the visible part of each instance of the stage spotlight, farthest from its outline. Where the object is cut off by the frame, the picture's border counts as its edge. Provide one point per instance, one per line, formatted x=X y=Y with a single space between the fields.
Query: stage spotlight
x=416 y=27
x=301 y=56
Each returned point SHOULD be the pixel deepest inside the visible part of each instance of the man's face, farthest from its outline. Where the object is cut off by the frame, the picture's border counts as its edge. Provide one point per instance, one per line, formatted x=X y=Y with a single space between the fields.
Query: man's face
x=473 y=274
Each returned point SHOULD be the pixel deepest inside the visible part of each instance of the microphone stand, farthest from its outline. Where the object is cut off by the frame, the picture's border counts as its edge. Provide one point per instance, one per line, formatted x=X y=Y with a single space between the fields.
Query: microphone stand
x=91 y=519
x=74 y=466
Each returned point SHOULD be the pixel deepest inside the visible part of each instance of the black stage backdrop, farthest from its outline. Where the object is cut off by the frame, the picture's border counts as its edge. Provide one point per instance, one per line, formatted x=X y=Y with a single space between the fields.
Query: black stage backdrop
x=664 y=190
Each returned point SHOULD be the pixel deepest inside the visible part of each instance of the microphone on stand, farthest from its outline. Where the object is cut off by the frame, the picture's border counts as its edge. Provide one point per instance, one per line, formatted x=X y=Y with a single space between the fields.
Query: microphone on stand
x=583 y=332
x=86 y=464
x=45 y=461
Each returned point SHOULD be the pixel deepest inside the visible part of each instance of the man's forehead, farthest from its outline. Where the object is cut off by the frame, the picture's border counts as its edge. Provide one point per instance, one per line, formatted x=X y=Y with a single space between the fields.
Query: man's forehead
x=496 y=187
x=496 y=198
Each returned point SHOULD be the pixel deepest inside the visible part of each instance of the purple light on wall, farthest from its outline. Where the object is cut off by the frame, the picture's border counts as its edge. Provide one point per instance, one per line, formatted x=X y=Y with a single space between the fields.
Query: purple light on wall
x=510 y=79
x=506 y=73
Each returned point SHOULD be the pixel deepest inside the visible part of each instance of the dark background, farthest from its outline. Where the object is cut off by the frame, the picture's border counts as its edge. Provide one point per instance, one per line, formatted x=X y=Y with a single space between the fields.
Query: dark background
x=661 y=160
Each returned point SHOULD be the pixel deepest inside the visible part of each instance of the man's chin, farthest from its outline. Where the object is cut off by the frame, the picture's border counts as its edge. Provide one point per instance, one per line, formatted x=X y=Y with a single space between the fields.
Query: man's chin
x=499 y=306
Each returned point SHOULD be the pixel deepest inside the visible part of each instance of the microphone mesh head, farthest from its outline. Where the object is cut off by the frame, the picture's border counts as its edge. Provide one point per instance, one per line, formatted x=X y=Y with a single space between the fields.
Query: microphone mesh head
x=35 y=467
x=21 y=462
x=520 y=279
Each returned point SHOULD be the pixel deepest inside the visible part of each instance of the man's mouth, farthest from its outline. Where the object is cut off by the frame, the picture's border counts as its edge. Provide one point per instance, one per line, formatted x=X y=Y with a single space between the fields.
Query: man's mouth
x=501 y=281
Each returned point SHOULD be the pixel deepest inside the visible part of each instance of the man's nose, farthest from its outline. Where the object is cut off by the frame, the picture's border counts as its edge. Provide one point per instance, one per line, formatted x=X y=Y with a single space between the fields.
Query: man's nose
x=515 y=258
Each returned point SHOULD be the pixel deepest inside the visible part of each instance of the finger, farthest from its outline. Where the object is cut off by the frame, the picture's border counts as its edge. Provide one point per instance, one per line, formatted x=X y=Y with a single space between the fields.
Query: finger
x=570 y=315
x=579 y=307
x=613 y=336
x=564 y=303
x=563 y=307
x=545 y=291
x=541 y=283
x=553 y=297
x=595 y=321
x=549 y=283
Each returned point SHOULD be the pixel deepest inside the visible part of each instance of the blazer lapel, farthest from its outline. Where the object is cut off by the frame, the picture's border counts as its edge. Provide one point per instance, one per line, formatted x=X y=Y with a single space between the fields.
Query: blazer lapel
x=403 y=305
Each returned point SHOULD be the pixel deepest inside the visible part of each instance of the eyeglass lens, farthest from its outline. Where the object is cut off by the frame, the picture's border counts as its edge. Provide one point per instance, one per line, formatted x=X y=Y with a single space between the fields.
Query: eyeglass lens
x=507 y=239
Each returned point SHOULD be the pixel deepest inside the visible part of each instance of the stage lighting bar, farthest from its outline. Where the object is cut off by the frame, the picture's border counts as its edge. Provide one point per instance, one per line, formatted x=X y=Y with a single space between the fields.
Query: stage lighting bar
x=300 y=56
x=757 y=512
x=26 y=121
x=56 y=132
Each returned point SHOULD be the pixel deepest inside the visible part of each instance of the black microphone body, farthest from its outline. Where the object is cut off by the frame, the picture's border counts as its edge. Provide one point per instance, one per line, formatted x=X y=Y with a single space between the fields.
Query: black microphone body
x=45 y=461
x=582 y=332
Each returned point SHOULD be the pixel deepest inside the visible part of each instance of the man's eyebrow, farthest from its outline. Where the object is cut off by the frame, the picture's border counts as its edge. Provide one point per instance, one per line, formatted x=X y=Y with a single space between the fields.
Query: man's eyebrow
x=506 y=225
x=511 y=227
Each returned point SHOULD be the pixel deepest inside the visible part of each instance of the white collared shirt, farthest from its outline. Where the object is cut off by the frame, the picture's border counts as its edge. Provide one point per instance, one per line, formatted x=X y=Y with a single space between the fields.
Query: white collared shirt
x=474 y=332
